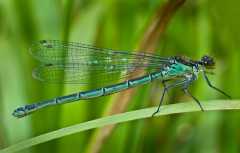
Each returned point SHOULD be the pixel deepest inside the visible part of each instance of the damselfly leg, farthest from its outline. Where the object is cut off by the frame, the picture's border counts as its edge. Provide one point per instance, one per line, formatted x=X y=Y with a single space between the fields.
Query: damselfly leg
x=185 y=89
x=194 y=98
x=166 y=88
x=213 y=87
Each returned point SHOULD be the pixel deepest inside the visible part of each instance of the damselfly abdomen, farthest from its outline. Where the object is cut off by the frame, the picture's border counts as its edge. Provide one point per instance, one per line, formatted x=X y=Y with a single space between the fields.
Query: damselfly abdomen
x=68 y=62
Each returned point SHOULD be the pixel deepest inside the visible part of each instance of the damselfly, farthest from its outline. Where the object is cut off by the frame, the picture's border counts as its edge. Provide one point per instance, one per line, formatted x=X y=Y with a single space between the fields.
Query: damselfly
x=68 y=62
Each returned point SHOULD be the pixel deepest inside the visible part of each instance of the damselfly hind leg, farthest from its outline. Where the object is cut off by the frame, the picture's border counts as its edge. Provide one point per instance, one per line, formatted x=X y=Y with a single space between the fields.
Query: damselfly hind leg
x=161 y=101
x=213 y=87
x=164 y=91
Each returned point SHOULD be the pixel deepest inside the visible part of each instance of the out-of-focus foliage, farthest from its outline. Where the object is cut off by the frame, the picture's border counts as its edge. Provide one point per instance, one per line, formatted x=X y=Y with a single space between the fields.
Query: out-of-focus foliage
x=199 y=27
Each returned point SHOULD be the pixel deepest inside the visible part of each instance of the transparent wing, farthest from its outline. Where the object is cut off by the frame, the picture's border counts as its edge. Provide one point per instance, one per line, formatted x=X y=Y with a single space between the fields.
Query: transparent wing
x=68 y=62
x=72 y=74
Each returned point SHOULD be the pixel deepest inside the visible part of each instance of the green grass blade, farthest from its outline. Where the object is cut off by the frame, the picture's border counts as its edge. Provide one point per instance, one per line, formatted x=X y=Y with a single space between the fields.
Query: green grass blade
x=124 y=117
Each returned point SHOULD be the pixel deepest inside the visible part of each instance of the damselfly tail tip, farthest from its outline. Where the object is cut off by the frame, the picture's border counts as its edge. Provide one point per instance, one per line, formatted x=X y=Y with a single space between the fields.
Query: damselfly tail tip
x=19 y=112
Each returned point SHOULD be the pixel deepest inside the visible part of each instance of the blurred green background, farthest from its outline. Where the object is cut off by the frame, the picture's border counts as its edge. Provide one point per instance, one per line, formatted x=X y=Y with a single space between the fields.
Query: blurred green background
x=199 y=27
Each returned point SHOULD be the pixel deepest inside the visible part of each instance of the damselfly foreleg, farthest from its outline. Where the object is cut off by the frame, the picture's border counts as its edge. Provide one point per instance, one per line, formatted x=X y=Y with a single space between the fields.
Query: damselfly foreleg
x=213 y=87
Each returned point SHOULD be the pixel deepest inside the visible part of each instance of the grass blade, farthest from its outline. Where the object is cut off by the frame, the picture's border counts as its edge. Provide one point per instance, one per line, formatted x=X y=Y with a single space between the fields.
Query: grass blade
x=123 y=117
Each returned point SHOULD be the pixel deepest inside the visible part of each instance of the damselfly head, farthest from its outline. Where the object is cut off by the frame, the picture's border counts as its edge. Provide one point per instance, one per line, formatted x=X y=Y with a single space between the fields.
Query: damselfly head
x=207 y=62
